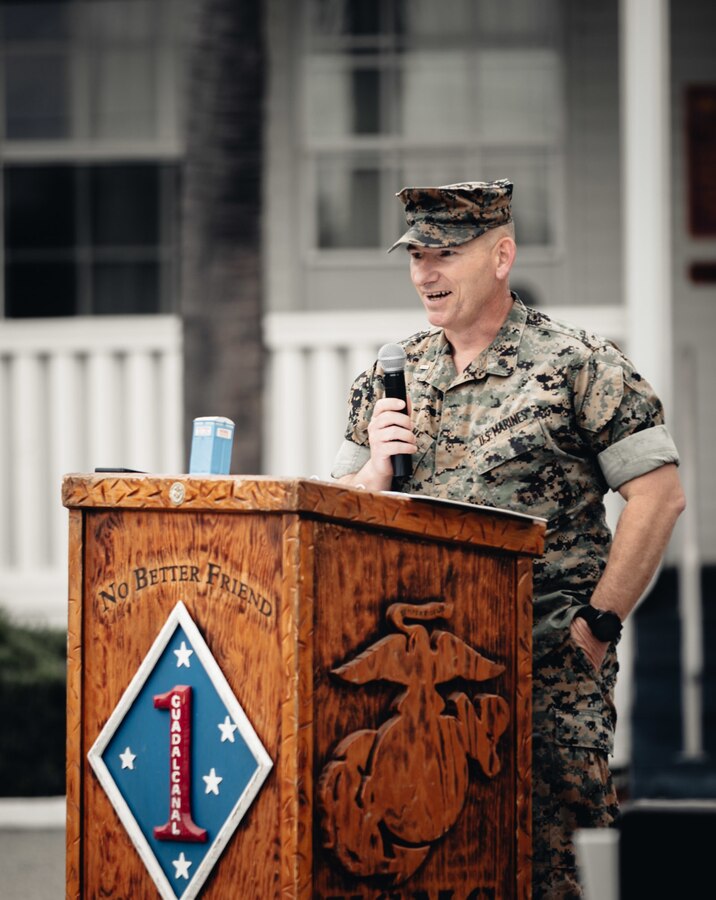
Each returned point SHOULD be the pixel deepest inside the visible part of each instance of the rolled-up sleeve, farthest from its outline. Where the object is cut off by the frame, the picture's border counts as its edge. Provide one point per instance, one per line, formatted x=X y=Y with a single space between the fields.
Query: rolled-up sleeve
x=350 y=458
x=354 y=452
x=636 y=455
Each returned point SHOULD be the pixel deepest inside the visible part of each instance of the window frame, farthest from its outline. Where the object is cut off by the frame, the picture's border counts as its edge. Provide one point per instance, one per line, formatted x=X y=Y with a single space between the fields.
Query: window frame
x=394 y=148
x=164 y=148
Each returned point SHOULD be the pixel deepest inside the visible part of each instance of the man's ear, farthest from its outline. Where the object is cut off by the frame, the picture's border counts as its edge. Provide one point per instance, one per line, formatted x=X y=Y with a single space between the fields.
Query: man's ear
x=505 y=251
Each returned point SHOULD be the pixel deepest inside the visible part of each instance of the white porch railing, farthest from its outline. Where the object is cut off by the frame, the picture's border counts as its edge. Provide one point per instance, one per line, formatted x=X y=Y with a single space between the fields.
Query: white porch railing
x=76 y=394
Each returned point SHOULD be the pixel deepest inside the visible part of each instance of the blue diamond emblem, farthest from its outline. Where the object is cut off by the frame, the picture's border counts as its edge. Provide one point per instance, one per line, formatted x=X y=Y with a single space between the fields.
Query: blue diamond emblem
x=179 y=760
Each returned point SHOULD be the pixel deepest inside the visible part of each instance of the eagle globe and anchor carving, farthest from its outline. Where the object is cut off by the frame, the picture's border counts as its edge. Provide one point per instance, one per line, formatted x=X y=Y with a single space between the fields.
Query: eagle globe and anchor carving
x=387 y=795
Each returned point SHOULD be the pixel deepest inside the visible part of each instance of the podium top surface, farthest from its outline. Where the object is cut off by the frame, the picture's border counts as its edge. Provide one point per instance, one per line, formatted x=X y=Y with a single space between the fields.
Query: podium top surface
x=414 y=514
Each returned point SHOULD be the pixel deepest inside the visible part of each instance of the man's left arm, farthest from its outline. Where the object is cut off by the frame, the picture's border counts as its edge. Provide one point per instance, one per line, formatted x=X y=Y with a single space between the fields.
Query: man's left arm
x=654 y=502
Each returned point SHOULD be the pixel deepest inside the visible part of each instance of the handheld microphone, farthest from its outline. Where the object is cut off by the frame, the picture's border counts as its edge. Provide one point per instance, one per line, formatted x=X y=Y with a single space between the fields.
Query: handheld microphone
x=392 y=359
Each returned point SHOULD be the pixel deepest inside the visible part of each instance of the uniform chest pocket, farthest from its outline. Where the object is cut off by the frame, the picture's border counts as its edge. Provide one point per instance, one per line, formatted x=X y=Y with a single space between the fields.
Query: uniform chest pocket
x=521 y=471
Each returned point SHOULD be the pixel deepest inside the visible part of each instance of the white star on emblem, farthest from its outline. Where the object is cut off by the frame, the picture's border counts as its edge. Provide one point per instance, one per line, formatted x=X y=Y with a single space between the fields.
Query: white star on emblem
x=212 y=782
x=182 y=655
x=182 y=866
x=227 y=729
x=128 y=759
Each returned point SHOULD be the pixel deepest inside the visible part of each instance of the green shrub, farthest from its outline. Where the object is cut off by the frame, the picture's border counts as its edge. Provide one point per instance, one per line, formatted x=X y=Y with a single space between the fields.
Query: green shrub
x=32 y=710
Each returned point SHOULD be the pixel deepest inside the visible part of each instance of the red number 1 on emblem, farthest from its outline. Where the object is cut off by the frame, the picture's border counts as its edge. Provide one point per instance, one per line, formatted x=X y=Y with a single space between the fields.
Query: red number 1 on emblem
x=181 y=826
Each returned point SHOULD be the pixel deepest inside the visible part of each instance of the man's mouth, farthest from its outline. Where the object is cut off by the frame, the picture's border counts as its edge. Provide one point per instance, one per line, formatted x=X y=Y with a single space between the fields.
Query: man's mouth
x=437 y=295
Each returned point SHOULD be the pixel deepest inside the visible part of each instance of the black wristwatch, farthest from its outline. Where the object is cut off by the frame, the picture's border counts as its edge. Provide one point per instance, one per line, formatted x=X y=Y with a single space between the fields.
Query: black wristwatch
x=604 y=624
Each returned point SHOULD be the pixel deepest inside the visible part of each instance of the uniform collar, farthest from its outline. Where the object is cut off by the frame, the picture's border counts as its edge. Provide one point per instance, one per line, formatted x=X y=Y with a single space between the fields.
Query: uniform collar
x=500 y=358
x=438 y=370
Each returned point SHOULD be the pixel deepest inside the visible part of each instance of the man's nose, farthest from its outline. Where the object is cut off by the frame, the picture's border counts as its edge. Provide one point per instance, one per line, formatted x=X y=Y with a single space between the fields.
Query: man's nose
x=425 y=271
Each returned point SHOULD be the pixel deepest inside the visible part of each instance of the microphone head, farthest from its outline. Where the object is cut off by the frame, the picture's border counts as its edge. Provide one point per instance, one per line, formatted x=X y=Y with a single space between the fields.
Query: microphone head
x=392 y=358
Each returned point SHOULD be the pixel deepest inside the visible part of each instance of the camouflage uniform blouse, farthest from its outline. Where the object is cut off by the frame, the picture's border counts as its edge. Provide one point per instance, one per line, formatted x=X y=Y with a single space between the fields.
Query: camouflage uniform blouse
x=543 y=422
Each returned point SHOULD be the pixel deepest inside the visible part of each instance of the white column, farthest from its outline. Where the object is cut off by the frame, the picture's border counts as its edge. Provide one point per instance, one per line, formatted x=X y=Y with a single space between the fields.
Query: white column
x=646 y=229
x=646 y=183
x=690 y=599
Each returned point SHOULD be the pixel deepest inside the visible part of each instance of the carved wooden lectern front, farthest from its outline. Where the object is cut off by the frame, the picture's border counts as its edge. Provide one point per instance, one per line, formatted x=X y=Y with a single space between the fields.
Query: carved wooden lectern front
x=287 y=688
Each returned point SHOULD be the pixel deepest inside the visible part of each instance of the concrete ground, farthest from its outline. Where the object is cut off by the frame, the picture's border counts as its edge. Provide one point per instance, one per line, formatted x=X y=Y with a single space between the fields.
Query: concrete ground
x=32 y=849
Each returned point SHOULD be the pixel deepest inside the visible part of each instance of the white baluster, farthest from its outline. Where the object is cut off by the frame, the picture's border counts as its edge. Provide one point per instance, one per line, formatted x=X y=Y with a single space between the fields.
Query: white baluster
x=104 y=408
x=140 y=423
x=173 y=458
x=65 y=429
x=326 y=401
x=28 y=441
x=290 y=415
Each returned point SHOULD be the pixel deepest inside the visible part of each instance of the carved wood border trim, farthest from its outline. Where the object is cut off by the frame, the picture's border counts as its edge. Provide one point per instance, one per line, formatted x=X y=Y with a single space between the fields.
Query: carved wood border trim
x=296 y=767
x=441 y=520
x=523 y=706
x=74 y=760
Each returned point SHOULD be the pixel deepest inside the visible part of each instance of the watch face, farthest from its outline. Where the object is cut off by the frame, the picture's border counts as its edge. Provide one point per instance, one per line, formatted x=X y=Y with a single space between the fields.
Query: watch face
x=606 y=626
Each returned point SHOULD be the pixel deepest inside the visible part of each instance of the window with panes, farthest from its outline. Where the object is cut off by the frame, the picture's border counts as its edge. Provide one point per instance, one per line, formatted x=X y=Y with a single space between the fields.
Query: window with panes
x=414 y=92
x=89 y=126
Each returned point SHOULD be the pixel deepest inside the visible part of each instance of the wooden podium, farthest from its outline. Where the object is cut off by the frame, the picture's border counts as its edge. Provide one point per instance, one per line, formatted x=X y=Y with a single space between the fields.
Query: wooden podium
x=374 y=648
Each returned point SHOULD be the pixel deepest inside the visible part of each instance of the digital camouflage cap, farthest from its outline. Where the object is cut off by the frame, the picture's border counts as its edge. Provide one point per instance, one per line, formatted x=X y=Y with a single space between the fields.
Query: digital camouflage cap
x=453 y=214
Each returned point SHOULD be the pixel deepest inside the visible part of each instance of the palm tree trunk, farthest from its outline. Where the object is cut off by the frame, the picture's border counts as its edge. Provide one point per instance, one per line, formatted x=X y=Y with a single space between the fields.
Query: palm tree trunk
x=221 y=234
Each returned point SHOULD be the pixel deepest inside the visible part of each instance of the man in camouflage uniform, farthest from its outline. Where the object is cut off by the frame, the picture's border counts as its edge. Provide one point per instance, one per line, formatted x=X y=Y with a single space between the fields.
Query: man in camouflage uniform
x=509 y=408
